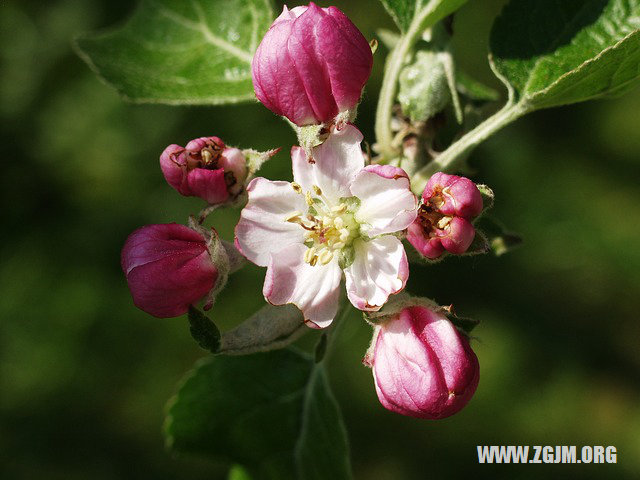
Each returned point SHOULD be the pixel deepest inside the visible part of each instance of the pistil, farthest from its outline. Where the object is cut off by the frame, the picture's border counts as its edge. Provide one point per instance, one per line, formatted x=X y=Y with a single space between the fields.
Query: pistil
x=329 y=228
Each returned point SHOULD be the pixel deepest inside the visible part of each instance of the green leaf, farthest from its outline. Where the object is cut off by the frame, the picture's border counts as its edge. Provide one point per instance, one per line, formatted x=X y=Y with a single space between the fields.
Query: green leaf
x=270 y=328
x=181 y=52
x=388 y=38
x=403 y=11
x=203 y=330
x=322 y=444
x=272 y=413
x=473 y=89
x=501 y=240
x=488 y=197
x=557 y=52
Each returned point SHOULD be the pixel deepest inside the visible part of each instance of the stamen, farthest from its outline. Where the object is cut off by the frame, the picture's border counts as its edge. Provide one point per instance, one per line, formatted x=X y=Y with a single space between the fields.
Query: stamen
x=293 y=217
x=313 y=261
x=339 y=208
x=317 y=190
x=296 y=187
x=308 y=255
x=443 y=222
x=326 y=256
x=338 y=245
x=308 y=198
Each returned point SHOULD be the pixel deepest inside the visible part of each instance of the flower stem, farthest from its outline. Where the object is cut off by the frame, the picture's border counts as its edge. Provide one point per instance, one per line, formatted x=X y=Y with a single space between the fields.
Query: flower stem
x=395 y=61
x=451 y=157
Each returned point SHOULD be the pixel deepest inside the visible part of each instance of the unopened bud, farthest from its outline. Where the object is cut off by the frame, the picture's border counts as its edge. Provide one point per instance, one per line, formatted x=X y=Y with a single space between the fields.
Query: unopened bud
x=168 y=267
x=422 y=366
x=311 y=65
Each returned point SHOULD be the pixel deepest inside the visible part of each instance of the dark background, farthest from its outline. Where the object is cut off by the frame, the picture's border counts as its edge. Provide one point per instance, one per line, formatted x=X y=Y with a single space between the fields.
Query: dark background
x=84 y=376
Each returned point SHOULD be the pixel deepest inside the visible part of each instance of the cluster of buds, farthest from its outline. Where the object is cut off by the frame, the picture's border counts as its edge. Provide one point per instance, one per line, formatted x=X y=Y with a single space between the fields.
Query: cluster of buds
x=205 y=168
x=170 y=267
x=341 y=218
x=422 y=365
x=449 y=204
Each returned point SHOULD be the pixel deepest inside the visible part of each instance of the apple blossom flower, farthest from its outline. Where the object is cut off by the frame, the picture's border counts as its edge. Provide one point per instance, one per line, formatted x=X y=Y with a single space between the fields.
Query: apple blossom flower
x=168 y=267
x=205 y=168
x=337 y=216
x=311 y=65
x=449 y=204
x=422 y=365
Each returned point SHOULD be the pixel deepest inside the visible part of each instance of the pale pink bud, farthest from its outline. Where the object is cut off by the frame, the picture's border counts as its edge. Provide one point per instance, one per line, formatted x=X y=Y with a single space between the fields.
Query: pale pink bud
x=205 y=168
x=444 y=219
x=311 y=65
x=422 y=366
x=168 y=268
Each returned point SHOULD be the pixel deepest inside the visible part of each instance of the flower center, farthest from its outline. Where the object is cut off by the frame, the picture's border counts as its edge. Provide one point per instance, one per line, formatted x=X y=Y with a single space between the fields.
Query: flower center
x=430 y=217
x=207 y=157
x=330 y=228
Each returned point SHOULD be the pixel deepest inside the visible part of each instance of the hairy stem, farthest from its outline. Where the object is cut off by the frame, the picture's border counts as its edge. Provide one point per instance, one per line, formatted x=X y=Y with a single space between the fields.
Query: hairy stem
x=395 y=61
x=457 y=151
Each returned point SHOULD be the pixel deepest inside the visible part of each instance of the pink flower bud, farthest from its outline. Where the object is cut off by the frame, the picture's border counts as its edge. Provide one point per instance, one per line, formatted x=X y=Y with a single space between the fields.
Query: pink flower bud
x=422 y=366
x=168 y=268
x=205 y=168
x=453 y=195
x=444 y=219
x=311 y=65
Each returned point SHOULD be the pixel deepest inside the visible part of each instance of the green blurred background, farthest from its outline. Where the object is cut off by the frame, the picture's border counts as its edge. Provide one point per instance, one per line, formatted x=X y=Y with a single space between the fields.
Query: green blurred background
x=84 y=376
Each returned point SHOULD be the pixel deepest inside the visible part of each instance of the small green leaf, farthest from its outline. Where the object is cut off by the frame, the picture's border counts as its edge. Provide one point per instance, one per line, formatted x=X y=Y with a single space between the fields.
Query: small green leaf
x=403 y=11
x=203 y=330
x=500 y=239
x=488 y=197
x=465 y=324
x=270 y=328
x=479 y=246
x=181 y=52
x=557 y=52
x=271 y=412
x=388 y=38
x=474 y=90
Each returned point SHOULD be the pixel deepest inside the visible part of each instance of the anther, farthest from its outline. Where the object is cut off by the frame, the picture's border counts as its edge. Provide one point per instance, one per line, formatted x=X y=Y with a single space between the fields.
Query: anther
x=293 y=218
x=313 y=261
x=308 y=198
x=296 y=187
x=308 y=255
x=443 y=222
x=326 y=256
x=317 y=190
x=339 y=208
